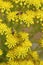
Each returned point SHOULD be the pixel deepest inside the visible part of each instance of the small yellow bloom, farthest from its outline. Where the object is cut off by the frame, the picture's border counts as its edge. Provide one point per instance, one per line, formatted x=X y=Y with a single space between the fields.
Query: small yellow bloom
x=41 y=62
x=29 y=62
x=11 y=41
x=35 y=55
x=12 y=62
x=41 y=42
x=1 y=52
x=12 y=16
x=24 y=35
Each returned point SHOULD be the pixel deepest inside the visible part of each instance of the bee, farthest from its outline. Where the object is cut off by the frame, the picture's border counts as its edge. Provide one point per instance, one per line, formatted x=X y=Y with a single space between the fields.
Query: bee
x=19 y=13
x=13 y=31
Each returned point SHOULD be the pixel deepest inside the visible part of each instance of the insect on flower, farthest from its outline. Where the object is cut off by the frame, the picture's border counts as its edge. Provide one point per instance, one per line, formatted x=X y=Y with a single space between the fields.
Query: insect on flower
x=19 y=13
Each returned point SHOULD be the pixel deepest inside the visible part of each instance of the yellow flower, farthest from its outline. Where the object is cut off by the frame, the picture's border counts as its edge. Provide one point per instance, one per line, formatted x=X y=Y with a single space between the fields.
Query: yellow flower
x=12 y=16
x=21 y=52
x=41 y=1
x=27 y=43
x=16 y=1
x=12 y=62
x=37 y=3
x=4 y=28
x=29 y=62
x=35 y=55
x=41 y=42
x=0 y=20
x=30 y=2
x=27 y=17
x=41 y=62
x=5 y=5
x=39 y=14
x=10 y=54
x=24 y=62
x=1 y=52
x=24 y=35
x=30 y=16
x=11 y=41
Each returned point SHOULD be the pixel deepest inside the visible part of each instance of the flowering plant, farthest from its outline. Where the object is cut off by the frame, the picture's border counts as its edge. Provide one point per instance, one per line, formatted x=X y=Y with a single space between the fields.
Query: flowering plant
x=21 y=32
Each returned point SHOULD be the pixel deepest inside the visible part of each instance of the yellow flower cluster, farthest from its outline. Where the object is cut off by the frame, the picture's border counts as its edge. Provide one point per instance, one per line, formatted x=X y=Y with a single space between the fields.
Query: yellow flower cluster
x=27 y=18
x=36 y=3
x=21 y=26
x=5 y=5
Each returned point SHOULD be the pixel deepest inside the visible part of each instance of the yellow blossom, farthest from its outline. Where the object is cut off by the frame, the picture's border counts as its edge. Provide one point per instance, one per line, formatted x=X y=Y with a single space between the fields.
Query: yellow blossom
x=35 y=55
x=41 y=62
x=11 y=41
x=12 y=16
x=41 y=42
x=29 y=62
x=12 y=62
x=24 y=35
x=5 y=5
x=1 y=52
